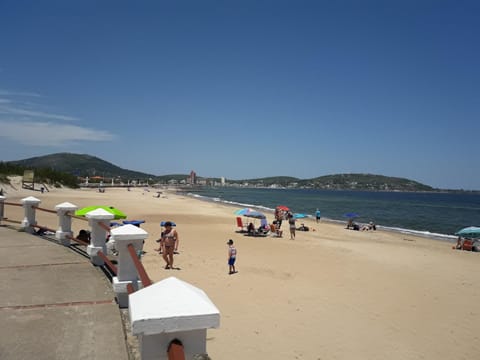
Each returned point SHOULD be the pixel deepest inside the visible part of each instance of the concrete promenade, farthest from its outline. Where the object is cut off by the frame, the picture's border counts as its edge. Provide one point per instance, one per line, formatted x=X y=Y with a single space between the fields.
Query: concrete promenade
x=54 y=304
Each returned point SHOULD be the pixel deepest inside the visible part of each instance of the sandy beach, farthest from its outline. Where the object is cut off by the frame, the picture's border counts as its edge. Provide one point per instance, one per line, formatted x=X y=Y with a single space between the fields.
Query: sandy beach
x=331 y=293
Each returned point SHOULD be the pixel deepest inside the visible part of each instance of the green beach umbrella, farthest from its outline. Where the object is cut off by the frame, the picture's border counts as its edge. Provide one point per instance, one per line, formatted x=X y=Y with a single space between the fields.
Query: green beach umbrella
x=118 y=214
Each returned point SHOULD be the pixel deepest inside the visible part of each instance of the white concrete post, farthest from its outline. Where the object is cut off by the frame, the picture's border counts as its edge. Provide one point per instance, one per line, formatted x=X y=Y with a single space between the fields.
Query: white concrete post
x=98 y=234
x=127 y=273
x=29 y=220
x=185 y=313
x=2 y=208
x=64 y=222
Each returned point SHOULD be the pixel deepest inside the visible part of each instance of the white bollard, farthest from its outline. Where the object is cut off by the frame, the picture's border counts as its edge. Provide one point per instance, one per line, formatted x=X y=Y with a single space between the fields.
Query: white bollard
x=172 y=309
x=2 y=208
x=127 y=273
x=29 y=221
x=64 y=222
x=98 y=234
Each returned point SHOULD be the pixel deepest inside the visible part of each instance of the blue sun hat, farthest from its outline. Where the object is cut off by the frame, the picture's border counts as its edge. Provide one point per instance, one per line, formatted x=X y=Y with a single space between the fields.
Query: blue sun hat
x=163 y=223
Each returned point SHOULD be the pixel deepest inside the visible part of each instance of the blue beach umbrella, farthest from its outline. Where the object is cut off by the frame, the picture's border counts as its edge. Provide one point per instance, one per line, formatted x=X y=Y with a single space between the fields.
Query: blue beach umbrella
x=351 y=215
x=471 y=231
x=255 y=214
x=299 y=216
x=134 y=222
x=243 y=211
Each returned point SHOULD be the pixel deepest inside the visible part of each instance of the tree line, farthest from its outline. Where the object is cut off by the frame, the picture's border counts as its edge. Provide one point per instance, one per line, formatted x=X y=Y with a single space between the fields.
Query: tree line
x=42 y=175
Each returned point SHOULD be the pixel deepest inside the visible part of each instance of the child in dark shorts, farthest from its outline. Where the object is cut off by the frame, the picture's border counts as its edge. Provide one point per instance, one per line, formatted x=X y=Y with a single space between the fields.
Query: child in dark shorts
x=232 y=256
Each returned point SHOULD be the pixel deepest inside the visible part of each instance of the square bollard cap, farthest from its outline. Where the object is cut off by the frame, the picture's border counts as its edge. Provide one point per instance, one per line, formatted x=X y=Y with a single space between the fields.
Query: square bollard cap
x=171 y=305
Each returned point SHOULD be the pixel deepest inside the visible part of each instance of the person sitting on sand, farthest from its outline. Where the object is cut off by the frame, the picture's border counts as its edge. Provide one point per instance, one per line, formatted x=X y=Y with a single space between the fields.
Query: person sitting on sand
x=352 y=225
x=275 y=230
x=264 y=228
x=303 y=228
x=369 y=226
x=84 y=235
x=251 y=229
x=459 y=243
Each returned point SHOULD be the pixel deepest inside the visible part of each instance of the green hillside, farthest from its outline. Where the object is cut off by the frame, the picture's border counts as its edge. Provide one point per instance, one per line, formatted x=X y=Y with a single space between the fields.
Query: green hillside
x=81 y=165
x=365 y=182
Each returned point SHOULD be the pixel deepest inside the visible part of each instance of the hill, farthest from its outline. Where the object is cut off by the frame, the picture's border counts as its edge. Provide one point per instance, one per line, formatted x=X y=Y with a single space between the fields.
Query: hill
x=86 y=165
x=81 y=165
x=365 y=182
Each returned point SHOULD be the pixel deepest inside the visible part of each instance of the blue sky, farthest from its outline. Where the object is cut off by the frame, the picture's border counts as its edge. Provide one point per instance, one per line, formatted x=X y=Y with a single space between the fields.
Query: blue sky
x=247 y=89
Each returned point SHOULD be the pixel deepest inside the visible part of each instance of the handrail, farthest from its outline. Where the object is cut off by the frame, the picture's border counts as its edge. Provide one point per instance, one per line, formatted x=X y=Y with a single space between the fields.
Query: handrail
x=81 y=242
x=103 y=226
x=76 y=216
x=12 y=221
x=107 y=261
x=43 y=209
x=142 y=274
x=43 y=227
x=12 y=204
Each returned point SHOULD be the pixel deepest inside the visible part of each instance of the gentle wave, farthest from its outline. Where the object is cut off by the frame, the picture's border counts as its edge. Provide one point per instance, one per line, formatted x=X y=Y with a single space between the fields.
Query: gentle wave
x=425 y=234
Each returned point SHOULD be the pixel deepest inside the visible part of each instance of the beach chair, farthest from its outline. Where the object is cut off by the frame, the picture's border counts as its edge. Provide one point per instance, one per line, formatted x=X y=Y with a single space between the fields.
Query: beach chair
x=243 y=228
x=468 y=244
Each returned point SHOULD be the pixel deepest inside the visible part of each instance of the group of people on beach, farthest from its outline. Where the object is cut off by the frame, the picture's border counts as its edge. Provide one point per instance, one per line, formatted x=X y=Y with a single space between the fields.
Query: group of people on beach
x=352 y=225
x=169 y=238
x=168 y=246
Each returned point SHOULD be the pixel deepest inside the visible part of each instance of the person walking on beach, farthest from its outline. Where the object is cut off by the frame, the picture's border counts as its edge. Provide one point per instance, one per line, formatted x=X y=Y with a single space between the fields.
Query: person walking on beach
x=317 y=215
x=291 y=225
x=278 y=218
x=170 y=241
x=232 y=256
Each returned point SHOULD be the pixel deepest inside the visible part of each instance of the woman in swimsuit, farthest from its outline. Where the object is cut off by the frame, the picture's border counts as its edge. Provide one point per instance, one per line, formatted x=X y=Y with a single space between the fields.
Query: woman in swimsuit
x=170 y=243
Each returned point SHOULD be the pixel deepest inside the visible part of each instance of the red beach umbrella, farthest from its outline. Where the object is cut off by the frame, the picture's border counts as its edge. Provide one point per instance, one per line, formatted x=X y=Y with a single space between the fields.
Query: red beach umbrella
x=283 y=207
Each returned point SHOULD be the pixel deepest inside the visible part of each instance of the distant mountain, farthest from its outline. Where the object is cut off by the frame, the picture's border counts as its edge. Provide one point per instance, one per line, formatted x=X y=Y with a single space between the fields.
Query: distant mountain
x=365 y=182
x=81 y=165
x=86 y=165
x=341 y=182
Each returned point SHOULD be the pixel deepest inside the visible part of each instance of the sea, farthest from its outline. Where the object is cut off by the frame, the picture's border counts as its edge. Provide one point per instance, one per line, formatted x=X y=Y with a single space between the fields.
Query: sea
x=433 y=215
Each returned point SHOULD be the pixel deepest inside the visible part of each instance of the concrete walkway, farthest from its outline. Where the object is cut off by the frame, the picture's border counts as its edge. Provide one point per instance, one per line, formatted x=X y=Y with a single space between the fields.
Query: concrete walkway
x=54 y=304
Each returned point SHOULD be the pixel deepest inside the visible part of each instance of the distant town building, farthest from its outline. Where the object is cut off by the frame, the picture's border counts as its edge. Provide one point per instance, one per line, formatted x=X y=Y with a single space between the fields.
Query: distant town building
x=222 y=180
x=193 y=178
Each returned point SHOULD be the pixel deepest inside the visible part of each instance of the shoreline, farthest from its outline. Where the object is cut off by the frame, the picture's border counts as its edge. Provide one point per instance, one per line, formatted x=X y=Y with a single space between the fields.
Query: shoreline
x=233 y=204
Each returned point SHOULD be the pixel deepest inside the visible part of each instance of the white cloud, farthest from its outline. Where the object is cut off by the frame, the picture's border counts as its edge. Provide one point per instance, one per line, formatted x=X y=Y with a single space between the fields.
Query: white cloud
x=50 y=134
x=18 y=93
x=32 y=113
x=31 y=126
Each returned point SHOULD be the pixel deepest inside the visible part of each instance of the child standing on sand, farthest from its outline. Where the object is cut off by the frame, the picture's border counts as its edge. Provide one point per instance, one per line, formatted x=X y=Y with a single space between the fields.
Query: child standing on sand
x=232 y=256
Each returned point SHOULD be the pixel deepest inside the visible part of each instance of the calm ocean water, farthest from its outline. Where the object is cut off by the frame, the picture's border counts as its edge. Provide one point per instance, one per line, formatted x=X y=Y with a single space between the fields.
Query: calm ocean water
x=436 y=215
